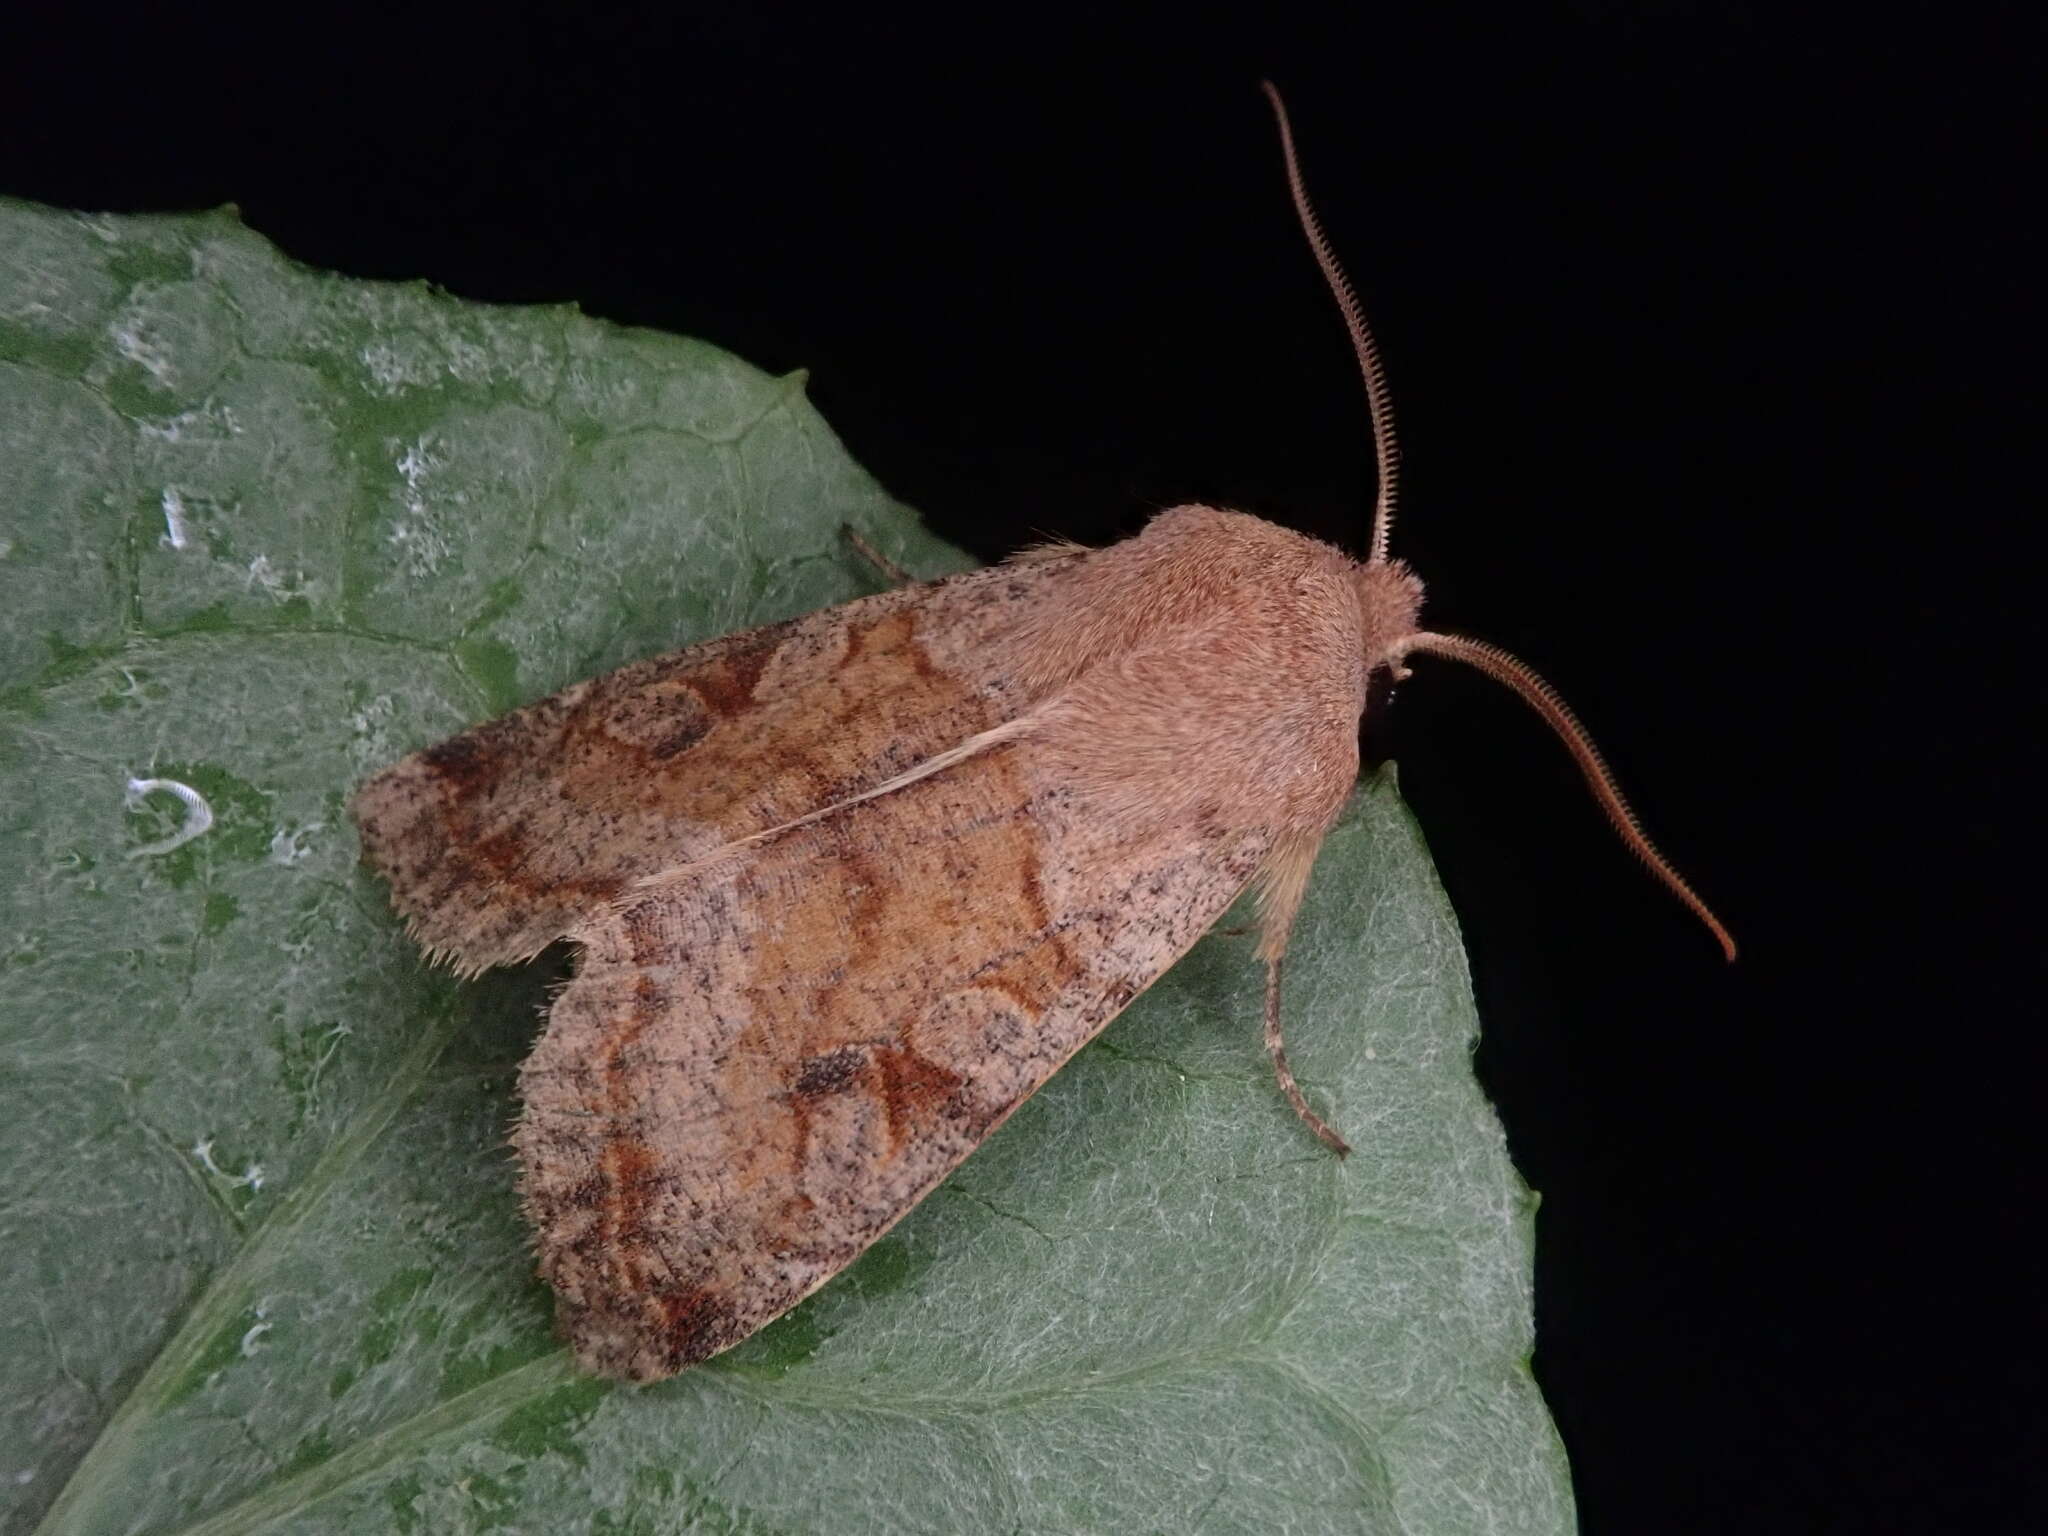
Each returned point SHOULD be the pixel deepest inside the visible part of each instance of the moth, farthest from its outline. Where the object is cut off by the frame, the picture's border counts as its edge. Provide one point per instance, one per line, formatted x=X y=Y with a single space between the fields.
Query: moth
x=847 y=890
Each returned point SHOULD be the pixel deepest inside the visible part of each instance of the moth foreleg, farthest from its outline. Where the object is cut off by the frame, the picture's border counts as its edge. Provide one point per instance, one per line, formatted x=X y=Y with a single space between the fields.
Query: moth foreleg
x=1282 y=884
x=1277 y=1049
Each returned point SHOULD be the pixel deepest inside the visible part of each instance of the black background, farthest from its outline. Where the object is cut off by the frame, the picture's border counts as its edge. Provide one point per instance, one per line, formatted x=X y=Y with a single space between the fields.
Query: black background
x=1708 y=330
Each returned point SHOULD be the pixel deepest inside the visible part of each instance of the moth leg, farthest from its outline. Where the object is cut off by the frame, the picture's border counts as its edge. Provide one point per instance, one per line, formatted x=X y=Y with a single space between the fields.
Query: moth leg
x=1277 y=1049
x=1282 y=884
x=890 y=570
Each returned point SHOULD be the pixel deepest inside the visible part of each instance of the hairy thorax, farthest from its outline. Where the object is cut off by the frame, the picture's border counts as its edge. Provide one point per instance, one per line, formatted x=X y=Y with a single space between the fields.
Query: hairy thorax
x=1212 y=668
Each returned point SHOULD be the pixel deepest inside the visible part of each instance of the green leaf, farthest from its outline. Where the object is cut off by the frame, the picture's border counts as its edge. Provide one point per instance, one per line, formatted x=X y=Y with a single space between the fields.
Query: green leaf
x=261 y=532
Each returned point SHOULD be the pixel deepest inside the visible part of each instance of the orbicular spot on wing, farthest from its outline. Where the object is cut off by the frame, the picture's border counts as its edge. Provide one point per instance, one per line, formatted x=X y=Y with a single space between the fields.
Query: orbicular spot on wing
x=629 y=738
x=797 y=718
x=617 y=734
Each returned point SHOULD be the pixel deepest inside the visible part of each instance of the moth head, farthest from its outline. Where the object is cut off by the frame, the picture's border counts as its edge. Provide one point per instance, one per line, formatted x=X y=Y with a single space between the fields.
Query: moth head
x=1391 y=597
x=1390 y=605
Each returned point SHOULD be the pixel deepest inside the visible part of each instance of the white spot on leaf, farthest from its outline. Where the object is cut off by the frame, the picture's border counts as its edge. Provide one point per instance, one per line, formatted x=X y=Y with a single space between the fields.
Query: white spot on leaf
x=417 y=534
x=198 y=814
x=250 y=1177
x=274 y=582
x=202 y=425
x=177 y=531
x=257 y=1329
x=131 y=342
x=285 y=847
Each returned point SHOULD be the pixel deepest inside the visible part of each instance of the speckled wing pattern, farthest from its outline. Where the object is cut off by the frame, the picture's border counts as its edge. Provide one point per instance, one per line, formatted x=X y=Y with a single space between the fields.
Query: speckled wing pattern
x=750 y=1081
x=755 y=1073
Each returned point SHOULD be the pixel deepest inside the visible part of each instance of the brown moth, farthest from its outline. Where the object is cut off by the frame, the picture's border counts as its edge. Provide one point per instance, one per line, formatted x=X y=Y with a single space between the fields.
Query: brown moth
x=847 y=890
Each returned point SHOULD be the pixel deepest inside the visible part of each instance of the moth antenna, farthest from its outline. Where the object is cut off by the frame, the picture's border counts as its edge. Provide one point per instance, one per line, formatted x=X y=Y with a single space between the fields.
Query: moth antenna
x=1541 y=697
x=1385 y=447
